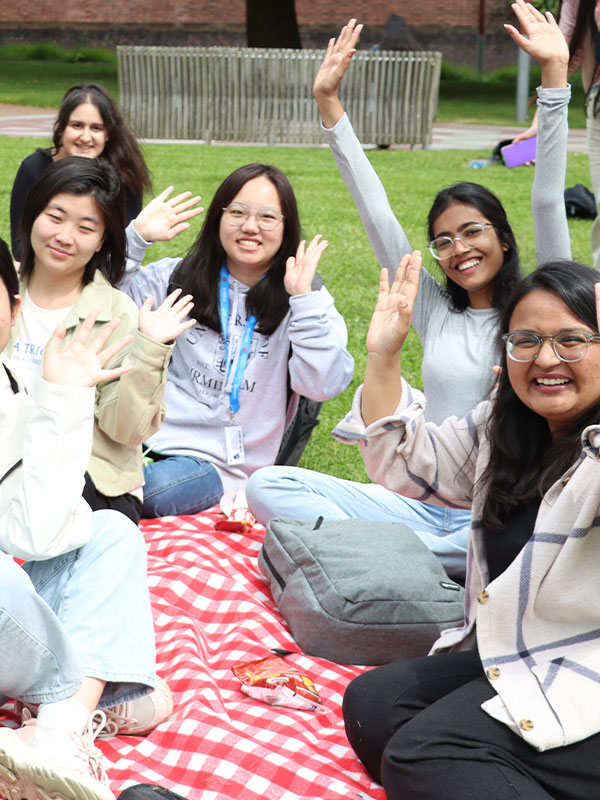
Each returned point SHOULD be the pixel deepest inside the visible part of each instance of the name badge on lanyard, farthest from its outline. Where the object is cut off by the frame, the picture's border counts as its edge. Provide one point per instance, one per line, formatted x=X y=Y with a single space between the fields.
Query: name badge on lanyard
x=234 y=370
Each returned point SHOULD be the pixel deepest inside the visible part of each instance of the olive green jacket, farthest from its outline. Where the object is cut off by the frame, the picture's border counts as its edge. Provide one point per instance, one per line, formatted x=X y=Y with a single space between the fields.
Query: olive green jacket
x=128 y=409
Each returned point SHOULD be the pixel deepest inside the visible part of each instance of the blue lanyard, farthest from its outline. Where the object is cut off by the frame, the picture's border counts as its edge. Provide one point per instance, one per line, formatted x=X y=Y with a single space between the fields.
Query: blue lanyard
x=244 y=354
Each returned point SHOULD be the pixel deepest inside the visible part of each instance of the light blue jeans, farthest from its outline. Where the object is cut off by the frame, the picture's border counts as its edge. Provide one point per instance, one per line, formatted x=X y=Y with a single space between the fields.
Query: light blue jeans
x=178 y=485
x=295 y=493
x=82 y=614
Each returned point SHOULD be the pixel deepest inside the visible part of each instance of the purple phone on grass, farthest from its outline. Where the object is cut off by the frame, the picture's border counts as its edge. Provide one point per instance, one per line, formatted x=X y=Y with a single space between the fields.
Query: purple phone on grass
x=520 y=153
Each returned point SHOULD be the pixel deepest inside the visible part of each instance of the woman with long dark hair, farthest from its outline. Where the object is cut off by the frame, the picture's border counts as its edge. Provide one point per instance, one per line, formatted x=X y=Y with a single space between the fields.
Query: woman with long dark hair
x=506 y=705
x=73 y=257
x=262 y=336
x=89 y=124
x=471 y=239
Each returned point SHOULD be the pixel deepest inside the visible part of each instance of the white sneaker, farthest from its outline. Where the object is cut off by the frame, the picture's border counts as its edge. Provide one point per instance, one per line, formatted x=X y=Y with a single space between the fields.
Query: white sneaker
x=139 y=716
x=51 y=764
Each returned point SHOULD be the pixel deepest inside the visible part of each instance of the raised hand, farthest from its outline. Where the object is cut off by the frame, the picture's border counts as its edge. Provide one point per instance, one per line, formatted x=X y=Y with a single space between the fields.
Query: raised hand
x=391 y=319
x=337 y=59
x=332 y=70
x=540 y=35
x=82 y=362
x=166 y=217
x=168 y=321
x=300 y=270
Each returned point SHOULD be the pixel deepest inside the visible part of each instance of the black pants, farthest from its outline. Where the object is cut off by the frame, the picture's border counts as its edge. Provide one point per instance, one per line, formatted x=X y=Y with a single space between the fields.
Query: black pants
x=125 y=503
x=419 y=729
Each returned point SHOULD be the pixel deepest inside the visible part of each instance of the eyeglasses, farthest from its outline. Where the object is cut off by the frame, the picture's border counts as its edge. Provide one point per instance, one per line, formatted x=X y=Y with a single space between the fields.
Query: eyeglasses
x=569 y=346
x=238 y=213
x=443 y=246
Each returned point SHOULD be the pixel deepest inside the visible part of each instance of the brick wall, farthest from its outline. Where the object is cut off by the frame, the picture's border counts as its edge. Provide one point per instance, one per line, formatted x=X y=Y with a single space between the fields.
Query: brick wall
x=233 y=12
x=446 y=25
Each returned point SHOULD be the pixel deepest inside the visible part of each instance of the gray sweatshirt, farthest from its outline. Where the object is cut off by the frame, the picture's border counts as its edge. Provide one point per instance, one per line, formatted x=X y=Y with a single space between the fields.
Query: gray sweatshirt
x=459 y=348
x=318 y=363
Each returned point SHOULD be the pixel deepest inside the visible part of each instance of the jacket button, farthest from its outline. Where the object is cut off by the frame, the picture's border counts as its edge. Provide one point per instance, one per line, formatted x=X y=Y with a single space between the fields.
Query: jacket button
x=526 y=725
x=493 y=673
x=483 y=597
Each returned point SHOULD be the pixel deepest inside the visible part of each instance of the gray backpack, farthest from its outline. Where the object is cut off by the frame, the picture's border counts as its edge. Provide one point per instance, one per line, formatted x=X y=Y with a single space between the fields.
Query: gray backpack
x=357 y=591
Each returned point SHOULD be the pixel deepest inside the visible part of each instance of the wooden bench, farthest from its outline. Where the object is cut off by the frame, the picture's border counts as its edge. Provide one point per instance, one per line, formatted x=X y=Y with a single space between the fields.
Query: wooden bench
x=265 y=95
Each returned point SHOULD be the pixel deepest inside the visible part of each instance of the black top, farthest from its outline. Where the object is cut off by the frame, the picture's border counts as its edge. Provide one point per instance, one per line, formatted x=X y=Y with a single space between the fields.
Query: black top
x=504 y=546
x=30 y=170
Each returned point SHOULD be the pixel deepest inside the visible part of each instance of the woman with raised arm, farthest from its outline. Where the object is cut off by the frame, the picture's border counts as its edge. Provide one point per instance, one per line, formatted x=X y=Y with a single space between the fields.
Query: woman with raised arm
x=73 y=257
x=89 y=124
x=506 y=705
x=471 y=239
x=262 y=337
x=66 y=645
x=578 y=20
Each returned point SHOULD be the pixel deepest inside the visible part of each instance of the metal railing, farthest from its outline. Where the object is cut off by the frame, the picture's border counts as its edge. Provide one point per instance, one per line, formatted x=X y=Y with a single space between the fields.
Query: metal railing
x=265 y=95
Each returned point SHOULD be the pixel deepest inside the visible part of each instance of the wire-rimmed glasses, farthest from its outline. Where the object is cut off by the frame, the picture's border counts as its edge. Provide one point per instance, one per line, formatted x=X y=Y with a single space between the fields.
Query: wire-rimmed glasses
x=569 y=346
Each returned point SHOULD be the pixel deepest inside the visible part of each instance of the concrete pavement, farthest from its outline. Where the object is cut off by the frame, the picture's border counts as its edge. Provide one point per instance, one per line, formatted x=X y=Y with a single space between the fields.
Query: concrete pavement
x=26 y=121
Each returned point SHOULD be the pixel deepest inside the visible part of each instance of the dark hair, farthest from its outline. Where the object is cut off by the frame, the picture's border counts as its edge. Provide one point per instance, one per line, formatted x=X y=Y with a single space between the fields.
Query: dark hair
x=8 y=273
x=80 y=176
x=198 y=273
x=525 y=459
x=473 y=194
x=584 y=23
x=121 y=148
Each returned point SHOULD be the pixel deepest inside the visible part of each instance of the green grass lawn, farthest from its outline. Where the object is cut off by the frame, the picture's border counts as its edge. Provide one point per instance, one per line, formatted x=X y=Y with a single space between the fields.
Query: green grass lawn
x=348 y=266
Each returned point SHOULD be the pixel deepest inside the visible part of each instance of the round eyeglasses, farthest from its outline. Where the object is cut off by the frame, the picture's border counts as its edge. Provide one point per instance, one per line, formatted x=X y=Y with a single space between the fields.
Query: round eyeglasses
x=443 y=246
x=569 y=346
x=238 y=213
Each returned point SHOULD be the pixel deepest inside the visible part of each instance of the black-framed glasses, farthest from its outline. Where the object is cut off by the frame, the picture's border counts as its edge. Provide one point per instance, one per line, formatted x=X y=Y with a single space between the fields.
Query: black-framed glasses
x=266 y=218
x=443 y=246
x=569 y=346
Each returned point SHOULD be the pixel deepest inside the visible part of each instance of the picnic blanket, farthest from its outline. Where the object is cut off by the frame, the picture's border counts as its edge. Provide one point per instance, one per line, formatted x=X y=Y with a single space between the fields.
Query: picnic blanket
x=213 y=610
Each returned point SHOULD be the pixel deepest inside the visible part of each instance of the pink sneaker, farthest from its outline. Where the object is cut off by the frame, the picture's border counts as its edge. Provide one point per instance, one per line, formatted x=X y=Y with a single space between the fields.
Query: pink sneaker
x=139 y=717
x=38 y=763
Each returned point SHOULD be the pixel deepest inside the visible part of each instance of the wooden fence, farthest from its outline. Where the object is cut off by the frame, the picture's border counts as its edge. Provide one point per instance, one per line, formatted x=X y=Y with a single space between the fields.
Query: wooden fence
x=265 y=95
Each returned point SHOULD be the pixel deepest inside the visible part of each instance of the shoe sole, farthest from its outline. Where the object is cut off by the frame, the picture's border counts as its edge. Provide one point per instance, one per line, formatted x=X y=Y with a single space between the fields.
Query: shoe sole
x=26 y=781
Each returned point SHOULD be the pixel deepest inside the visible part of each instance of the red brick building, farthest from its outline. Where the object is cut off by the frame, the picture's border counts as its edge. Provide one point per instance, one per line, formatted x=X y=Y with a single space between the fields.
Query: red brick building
x=449 y=25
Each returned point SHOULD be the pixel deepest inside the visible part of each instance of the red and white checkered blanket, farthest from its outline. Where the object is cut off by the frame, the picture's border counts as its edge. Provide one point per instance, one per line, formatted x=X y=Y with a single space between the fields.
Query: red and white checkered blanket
x=212 y=610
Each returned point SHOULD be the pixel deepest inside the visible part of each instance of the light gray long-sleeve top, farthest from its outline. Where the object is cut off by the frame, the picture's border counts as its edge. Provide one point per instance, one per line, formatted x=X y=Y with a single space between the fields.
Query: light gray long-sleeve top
x=460 y=347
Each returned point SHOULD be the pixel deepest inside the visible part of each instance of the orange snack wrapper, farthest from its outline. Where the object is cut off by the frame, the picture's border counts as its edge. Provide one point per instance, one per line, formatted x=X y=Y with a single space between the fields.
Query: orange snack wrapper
x=278 y=683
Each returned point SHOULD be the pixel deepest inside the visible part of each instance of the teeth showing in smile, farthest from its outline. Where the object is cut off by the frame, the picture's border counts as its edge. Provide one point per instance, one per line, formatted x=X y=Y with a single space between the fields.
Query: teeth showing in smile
x=551 y=381
x=248 y=242
x=472 y=262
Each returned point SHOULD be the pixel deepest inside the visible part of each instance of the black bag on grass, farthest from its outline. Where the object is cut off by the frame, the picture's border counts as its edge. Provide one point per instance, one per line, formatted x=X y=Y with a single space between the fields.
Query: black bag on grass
x=580 y=202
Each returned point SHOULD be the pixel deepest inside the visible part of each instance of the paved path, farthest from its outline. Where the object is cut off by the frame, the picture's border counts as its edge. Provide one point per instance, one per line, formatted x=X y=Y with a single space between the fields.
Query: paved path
x=26 y=121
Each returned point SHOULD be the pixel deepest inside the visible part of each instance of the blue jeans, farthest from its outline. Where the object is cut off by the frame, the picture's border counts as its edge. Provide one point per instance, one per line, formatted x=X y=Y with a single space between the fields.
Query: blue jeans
x=63 y=619
x=298 y=493
x=178 y=485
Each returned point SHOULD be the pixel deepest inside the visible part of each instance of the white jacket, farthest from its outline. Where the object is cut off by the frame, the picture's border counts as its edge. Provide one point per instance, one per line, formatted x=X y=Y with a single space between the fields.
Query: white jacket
x=537 y=624
x=46 y=444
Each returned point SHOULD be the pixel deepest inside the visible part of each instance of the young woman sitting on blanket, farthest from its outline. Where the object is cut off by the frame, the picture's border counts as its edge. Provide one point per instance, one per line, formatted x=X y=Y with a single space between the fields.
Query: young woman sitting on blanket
x=66 y=645
x=472 y=241
x=261 y=336
x=89 y=124
x=507 y=705
x=73 y=257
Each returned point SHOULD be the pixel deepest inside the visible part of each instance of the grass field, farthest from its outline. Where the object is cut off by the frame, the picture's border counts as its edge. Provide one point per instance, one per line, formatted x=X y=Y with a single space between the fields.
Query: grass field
x=349 y=267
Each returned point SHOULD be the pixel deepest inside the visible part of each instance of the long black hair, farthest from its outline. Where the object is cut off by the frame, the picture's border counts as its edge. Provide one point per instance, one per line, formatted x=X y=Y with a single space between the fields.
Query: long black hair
x=473 y=194
x=80 y=176
x=8 y=274
x=121 y=148
x=198 y=273
x=584 y=23
x=525 y=459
